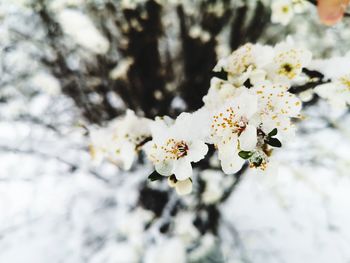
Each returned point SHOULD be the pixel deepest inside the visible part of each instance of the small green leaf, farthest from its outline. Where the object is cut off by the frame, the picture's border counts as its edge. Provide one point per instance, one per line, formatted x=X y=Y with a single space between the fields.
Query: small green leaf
x=245 y=154
x=155 y=176
x=272 y=133
x=274 y=142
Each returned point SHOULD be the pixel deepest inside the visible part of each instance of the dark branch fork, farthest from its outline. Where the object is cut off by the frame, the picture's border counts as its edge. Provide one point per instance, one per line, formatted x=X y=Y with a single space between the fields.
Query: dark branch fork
x=315 y=78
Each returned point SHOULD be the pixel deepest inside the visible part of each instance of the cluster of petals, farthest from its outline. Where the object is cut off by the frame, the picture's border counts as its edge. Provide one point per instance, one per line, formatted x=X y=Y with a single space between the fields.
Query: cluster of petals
x=241 y=113
x=254 y=100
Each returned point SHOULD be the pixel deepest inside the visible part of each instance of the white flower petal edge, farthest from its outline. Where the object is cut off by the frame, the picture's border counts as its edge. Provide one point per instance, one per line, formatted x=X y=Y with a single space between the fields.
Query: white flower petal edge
x=336 y=92
x=248 y=138
x=184 y=187
x=183 y=169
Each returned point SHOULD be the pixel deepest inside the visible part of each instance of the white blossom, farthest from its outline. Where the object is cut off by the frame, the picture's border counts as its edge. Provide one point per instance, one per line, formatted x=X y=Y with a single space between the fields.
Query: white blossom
x=336 y=92
x=232 y=131
x=282 y=12
x=246 y=63
x=243 y=120
x=288 y=62
x=118 y=142
x=219 y=92
x=174 y=147
x=276 y=107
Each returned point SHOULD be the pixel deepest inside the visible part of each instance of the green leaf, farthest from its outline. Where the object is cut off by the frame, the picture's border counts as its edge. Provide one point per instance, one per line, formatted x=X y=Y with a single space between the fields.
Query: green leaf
x=245 y=154
x=155 y=176
x=274 y=142
x=272 y=133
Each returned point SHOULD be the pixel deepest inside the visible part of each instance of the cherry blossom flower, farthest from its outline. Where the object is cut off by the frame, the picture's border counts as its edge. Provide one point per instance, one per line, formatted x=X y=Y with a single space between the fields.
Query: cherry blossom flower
x=220 y=92
x=336 y=92
x=275 y=107
x=288 y=62
x=282 y=12
x=241 y=116
x=246 y=63
x=174 y=147
x=118 y=142
x=231 y=131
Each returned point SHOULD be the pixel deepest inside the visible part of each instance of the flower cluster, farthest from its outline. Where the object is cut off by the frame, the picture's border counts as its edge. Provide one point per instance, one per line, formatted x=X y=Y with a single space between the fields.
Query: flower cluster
x=253 y=103
x=246 y=113
x=284 y=10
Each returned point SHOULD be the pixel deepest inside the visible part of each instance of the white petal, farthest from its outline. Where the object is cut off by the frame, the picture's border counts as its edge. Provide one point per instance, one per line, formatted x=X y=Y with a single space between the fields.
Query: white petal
x=232 y=165
x=197 y=151
x=248 y=103
x=326 y=90
x=160 y=130
x=96 y=155
x=222 y=63
x=184 y=187
x=248 y=138
x=165 y=168
x=122 y=154
x=127 y=155
x=257 y=76
x=267 y=124
x=228 y=149
x=182 y=169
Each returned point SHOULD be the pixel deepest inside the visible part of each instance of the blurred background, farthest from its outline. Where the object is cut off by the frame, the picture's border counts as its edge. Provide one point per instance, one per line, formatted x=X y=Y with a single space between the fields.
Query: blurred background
x=68 y=65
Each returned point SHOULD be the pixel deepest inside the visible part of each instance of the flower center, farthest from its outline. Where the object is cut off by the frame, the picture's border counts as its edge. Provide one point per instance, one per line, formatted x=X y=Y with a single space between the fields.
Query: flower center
x=228 y=120
x=241 y=125
x=287 y=70
x=285 y=9
x=346 y=82
x=180 y=149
